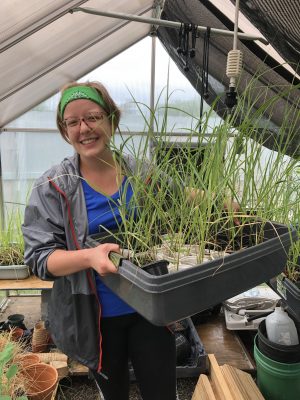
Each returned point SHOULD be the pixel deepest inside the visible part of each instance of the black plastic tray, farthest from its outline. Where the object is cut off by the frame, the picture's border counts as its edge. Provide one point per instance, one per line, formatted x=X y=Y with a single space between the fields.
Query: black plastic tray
x=173 y=297
x=289 y=291
x=292 y=291
x=196 y=361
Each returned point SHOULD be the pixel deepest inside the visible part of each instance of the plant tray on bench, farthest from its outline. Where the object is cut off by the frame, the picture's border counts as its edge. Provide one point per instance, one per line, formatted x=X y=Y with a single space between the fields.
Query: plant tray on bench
x=14 y=272
x=168 y=298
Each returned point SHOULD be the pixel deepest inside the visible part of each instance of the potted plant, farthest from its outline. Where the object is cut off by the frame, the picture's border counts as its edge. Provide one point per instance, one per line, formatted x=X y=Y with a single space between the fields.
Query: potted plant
x=161 y=206
x=233 y=167
x=287 y=284
x=12 y=249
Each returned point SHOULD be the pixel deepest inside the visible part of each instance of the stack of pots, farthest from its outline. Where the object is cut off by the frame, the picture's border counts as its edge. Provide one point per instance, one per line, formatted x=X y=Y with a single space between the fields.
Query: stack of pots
x=278 y=367
x=40 y=380
x=40 y=338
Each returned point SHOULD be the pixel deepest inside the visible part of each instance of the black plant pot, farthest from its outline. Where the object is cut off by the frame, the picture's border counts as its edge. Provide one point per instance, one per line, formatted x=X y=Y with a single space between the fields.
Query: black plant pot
x=157 y=268
x=16 y=321
x=275 y=351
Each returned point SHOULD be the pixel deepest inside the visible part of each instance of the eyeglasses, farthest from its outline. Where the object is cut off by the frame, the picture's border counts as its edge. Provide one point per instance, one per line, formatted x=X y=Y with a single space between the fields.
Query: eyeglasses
x=91 y=120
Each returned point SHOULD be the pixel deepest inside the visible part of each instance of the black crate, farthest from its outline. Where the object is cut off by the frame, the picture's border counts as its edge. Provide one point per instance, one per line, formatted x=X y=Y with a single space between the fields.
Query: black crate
x=195 y=362
x=293 y=297
x=289 y=291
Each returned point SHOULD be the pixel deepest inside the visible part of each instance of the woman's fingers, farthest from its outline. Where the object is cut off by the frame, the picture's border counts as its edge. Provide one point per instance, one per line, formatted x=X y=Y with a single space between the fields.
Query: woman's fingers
x=100 y=258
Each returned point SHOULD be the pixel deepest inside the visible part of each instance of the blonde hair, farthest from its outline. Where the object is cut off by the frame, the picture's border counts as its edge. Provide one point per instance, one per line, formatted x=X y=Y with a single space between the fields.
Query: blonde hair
x=112 y=110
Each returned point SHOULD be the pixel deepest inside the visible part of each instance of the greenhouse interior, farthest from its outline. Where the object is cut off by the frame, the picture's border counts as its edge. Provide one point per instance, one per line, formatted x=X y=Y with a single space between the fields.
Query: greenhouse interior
x=150 y=183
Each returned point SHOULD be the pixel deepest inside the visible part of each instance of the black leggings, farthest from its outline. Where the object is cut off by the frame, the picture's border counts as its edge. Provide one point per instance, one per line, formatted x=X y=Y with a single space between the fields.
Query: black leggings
x=152 y=352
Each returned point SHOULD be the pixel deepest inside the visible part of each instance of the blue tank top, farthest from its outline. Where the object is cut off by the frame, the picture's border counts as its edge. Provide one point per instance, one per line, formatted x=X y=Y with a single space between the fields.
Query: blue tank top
x=103 y=211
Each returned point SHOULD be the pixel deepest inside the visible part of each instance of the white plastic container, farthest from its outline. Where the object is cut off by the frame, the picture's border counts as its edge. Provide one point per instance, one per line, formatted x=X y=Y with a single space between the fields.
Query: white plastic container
x=281 y=328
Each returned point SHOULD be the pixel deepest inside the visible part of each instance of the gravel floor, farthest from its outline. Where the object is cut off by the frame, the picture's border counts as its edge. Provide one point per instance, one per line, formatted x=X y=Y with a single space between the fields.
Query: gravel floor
x=81 y=388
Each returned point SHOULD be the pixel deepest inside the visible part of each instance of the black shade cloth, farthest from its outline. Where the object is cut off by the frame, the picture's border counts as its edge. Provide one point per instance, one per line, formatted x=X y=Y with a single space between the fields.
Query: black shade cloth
x=272 y=76
x=279 y=22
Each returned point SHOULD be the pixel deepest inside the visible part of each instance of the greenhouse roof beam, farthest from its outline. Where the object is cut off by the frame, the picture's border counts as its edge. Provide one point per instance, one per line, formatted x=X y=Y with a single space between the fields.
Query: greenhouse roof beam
x=166 y=23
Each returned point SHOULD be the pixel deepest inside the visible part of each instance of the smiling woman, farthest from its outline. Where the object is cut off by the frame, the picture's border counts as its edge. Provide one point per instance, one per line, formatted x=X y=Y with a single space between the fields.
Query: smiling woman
x=88 y=129
x=69 y=202
x=100 y=103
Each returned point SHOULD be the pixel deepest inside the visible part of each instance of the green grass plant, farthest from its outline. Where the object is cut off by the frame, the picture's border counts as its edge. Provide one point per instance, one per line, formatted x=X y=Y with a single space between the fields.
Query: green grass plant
x=11 y=240
x=225 y=166
x=10 y=379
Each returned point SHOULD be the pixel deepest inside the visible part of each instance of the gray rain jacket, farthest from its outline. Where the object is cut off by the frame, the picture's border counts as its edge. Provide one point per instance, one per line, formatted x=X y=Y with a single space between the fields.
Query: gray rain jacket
x=56 y=218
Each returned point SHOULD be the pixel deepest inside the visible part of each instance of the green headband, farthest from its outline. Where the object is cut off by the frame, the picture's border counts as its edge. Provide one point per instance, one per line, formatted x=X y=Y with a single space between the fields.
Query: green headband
x=80 y=92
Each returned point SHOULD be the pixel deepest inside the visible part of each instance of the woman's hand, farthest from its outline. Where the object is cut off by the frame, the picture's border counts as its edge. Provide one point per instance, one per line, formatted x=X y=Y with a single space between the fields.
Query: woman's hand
x=198 y=195
x=99 y=258
x=233 y=207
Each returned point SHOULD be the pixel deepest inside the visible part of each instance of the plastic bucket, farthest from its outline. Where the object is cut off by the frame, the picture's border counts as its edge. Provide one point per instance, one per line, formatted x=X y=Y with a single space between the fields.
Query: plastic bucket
x=275 y=351
x=276 y=381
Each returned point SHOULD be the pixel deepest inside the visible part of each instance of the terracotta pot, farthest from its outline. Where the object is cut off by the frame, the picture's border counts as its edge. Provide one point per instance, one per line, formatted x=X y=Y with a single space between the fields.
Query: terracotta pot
x=26 y=359
x=40 y=338
x=39 y=325
x=16 y=334
x=40 y=381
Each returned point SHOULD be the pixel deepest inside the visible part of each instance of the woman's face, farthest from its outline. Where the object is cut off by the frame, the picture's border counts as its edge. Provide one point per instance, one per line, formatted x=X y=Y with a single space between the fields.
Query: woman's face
x=88 y=128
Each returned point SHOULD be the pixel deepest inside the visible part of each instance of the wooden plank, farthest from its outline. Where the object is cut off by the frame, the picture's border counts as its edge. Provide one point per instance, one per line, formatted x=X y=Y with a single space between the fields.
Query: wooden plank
x=253 y=392
x=218 y=381
x=236 y=390
x=224 y=344
x=225 y=383
x=203 y=389
x=52 y=356
x=61 y=368
x=30 y=283
x=241 y=384
x=76 y=368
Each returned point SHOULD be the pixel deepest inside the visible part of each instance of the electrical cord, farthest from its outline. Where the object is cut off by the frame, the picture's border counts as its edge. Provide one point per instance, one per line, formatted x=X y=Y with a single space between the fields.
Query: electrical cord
x=204 y=78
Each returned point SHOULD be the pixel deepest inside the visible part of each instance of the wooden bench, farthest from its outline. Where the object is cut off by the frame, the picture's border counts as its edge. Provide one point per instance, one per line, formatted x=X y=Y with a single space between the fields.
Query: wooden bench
x=31 y=283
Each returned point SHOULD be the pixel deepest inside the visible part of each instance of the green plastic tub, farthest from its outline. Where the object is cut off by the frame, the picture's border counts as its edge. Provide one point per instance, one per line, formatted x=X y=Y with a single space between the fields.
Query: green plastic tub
x=276 y=381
